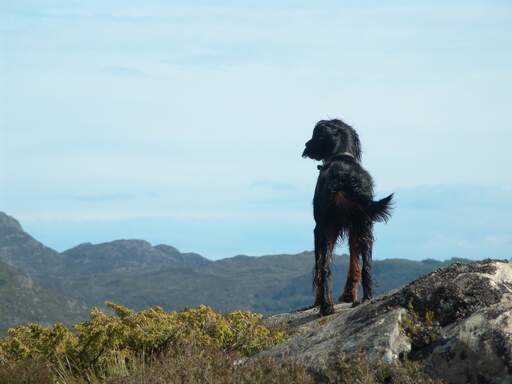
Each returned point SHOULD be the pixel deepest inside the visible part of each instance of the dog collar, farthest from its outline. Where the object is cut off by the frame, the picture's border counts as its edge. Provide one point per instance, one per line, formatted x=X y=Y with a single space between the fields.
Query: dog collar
x=328 y=162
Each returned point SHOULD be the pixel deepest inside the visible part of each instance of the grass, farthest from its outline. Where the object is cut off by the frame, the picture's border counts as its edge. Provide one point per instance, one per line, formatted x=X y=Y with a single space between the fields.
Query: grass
x=190 y=365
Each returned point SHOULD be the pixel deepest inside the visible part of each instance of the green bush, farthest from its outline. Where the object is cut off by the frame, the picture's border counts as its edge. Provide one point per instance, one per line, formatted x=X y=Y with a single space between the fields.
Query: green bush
x=109 y=345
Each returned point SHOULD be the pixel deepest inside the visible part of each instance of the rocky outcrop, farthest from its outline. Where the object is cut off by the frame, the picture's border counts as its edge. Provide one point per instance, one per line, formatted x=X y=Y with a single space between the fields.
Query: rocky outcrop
x=457 y=321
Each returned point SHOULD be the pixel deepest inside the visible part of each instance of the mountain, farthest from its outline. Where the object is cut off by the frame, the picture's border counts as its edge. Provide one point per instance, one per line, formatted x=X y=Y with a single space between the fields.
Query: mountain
x=21 y=301
x=136 y=274
x=123 y=256
x=266 y=284
x=20 y=250
x=187 y=259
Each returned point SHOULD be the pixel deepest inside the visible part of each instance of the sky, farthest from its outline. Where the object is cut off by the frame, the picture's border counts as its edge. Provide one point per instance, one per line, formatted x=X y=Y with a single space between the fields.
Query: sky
x=183 y=122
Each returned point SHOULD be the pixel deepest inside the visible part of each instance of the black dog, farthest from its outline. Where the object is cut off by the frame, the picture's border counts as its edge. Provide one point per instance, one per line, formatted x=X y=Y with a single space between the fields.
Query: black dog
x=343 y=205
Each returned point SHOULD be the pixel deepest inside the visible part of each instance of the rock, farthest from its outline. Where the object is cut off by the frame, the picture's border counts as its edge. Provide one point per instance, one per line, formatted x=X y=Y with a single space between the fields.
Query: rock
x=457 y=321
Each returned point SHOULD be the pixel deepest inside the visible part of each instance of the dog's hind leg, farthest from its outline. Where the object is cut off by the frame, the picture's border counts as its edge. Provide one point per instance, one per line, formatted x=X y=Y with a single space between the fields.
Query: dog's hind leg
x=366 y=244
x=349 y=294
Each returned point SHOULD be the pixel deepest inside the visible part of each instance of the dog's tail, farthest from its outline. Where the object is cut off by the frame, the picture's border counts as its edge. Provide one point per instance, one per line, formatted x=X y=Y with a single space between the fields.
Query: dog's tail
x=381 y=210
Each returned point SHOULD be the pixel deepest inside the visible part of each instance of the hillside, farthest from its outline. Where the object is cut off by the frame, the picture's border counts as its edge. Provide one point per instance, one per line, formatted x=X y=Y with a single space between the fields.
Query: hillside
x=136 y=274
x=21 y=301
x=452 y=326
x=266 y=284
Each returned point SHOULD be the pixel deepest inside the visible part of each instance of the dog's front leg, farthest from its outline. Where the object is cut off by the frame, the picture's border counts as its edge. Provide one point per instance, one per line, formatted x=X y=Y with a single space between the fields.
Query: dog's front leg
x=325 y=280
x=319 y=249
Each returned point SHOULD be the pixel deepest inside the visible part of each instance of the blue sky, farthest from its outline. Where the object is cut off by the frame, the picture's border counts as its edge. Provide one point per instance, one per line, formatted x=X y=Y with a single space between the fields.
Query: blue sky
x=183 y=122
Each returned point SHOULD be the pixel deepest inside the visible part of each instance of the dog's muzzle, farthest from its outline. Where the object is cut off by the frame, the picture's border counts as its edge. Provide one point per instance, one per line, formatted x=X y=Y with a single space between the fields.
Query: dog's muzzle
x=307 y=149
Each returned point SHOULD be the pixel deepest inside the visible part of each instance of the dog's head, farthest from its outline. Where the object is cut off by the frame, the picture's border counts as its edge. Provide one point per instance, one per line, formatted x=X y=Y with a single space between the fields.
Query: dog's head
x=331 y=137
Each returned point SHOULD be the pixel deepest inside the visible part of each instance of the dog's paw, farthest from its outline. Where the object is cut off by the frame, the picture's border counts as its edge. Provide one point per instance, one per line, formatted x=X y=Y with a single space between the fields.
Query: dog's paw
x=326 y=310
x=346 y=298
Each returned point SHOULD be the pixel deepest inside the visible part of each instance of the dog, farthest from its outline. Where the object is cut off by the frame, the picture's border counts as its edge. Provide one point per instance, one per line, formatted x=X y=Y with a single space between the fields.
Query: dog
x=343 y=206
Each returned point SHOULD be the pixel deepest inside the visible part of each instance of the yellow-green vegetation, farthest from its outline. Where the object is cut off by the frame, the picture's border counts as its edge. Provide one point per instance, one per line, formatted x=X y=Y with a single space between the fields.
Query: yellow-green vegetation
x=413 y=321
x=113 y=345
x=410 y=321
x=421 y=327
x=153 y=346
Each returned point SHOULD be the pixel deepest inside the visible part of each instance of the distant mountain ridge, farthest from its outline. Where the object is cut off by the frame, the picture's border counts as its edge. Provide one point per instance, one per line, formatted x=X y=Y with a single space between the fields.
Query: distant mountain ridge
x=126 y=256
x=136 y=274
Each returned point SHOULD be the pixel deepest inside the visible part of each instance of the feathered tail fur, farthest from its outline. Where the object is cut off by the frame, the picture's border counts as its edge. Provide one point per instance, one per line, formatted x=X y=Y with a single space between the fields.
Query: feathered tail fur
x=381 y=210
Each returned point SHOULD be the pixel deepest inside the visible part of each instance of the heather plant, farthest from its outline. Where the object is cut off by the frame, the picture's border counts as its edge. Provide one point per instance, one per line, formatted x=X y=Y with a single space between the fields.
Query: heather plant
x=108 y=345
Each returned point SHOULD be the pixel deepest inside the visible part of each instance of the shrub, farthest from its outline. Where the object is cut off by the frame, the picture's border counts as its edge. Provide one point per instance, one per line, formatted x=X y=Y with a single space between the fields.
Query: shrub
x=109 y=345
x=192 y=346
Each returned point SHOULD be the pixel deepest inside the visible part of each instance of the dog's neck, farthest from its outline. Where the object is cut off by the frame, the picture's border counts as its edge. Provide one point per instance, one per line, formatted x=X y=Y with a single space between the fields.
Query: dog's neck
x=329 y=160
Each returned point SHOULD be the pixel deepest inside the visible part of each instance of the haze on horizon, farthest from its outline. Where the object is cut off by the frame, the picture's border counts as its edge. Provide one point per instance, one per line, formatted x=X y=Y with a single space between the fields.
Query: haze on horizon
x=183 y=124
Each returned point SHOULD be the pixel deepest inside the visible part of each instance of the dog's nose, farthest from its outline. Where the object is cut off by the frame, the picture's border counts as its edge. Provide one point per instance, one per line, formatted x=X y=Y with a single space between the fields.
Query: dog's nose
x=305 y=153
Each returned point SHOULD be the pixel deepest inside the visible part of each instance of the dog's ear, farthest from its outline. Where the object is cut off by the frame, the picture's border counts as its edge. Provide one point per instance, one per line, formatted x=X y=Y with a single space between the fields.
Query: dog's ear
x=355 y=145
